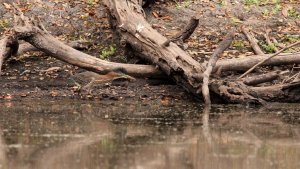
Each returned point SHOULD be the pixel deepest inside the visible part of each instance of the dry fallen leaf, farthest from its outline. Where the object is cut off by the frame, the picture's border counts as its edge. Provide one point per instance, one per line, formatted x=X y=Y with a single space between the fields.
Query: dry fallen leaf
x=285 y=10
x=8 y=97
x=53 y=93
x=7 y=6
x=155 y=14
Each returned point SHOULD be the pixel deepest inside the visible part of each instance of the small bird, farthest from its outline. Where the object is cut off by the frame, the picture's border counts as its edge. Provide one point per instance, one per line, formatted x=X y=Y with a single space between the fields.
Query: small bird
x=86 y=80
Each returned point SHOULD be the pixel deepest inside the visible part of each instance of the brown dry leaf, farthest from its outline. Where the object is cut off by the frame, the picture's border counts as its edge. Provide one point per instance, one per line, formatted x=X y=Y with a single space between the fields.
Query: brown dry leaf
x=169 y=34
x=7 y=6
x=23 y=95
x=166 y=18
x=155 y=14
x=158 y=26
x=285 y=10
x=8 y=97
x=53 y=93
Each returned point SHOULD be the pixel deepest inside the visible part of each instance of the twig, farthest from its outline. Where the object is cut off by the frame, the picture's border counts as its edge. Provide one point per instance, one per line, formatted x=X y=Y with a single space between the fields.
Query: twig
x=294 y=77
x=268 y=77
x=277 y=43
x=212 y=63
x=266 y=35
x=185 y=33
x=263 y=61
x=253 y=41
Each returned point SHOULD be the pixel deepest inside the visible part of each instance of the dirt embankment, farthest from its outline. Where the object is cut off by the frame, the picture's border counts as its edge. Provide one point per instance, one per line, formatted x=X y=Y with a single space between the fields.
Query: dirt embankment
x=35 y=75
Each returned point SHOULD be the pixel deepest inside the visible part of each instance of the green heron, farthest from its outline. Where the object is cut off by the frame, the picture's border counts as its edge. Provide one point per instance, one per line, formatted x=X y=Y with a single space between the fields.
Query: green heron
x=86 y=80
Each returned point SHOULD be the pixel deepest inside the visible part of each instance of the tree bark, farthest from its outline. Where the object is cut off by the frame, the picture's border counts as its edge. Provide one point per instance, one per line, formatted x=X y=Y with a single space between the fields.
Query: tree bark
x=53 y=47
x=3 y=43
x=242 y=64
x=212 y=63
x=135 y=30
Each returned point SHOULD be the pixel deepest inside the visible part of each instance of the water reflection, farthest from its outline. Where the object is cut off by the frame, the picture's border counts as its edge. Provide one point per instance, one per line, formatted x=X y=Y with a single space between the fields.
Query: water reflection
x=94 y=135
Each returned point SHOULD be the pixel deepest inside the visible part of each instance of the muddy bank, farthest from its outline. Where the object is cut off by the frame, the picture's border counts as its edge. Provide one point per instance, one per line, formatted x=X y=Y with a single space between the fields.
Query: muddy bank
x=27 y=76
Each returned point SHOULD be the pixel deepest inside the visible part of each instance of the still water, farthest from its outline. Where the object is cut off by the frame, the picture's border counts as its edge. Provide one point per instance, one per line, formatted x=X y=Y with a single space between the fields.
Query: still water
x=152 y=135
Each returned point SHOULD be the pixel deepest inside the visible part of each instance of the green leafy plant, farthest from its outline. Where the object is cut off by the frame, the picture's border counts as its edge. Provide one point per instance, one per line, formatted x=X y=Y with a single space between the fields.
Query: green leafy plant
x=235 y=21
x=239 y=44
x=184 y=4
x=4 y=23
x=251 y=2
x=108 y=51
x=266 y=13
x=256 y=2
x=276 y=9
x=90 y=2
x=269 y=48
x=291 y=38
x=293 y=13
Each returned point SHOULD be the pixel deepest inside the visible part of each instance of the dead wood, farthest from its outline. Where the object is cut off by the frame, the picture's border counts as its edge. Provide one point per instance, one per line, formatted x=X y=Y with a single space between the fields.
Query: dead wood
x=253 y=41
x=269 y=42
x=255 y=80
x=37 y=36
x=3 y=43
x=8 y=47
x=186 y=32
x=131 y=25
x=274 y=40
x=265 y=60
x=279 y=93
x=212 y=62
x=136 y=31
x=53 y=47
x=79 y=45
x=243 y=64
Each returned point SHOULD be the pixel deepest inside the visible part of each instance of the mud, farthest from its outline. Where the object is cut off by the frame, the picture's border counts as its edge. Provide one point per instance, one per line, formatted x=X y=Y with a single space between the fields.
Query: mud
x=25 y=77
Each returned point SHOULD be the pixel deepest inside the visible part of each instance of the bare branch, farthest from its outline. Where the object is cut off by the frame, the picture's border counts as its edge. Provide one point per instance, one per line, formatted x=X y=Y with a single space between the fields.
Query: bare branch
x=263 y=61
x=252 y=41
x=212 y=62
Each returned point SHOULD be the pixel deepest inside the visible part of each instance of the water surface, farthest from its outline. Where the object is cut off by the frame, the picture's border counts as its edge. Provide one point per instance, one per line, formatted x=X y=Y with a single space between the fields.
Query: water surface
x=147 y=135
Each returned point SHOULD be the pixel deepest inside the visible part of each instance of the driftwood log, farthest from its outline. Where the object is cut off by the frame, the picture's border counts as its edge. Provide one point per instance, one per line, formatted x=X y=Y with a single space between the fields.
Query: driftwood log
x=136 y=31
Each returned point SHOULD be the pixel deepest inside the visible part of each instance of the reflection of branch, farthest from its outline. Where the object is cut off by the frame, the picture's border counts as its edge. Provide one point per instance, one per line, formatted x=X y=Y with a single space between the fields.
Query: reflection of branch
x=3 y=162
x=205 y=122
x=51 y=156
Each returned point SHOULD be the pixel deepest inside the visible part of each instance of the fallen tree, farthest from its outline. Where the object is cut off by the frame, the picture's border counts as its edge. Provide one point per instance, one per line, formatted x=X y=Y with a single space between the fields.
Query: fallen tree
x=132 y=27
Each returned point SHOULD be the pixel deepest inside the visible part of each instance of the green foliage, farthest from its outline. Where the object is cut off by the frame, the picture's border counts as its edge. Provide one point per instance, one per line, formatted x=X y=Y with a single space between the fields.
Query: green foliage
x=291 y=38
x=252 y=2
x=184 y=4
x=235 y=21
x=90 y=2
x=266 y=13
x=223 y=3
x=293 y=13
x=4 y=24
x=269 y=48
x=276 y=9
x=239 y=44
x=108 y=51
x=260 y=2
